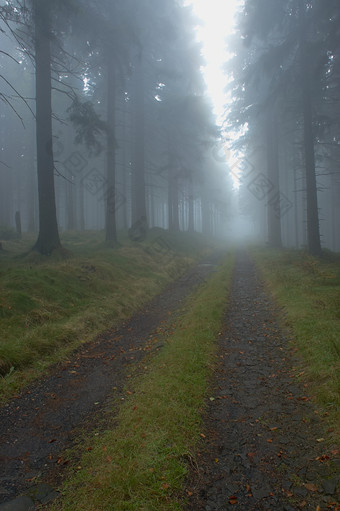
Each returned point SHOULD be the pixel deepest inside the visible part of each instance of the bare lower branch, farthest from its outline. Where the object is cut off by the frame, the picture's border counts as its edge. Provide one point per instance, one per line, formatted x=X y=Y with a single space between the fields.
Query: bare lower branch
x=18 y=93
x=3 y=97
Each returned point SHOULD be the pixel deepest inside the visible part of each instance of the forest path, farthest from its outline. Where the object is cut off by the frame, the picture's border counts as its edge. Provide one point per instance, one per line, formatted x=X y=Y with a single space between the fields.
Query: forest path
x=264 y=447
x=48 y=417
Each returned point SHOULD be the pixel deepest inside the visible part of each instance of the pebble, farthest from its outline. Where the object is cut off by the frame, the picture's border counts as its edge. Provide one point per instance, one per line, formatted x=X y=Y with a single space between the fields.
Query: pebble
x=329 y=485
x=42 y=493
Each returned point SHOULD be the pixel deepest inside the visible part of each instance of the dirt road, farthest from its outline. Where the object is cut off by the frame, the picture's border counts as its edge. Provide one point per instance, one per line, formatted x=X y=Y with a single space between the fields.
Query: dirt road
x=43 y=421
x=264 y=447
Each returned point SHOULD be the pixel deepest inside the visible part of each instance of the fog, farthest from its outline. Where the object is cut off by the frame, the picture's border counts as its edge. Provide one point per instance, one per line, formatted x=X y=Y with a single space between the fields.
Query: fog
x=107 y=124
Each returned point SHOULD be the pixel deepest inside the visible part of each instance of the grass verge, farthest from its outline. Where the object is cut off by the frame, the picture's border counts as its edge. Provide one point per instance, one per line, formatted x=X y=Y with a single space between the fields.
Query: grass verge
x=141 y=463
x=309 y=291
x=50 y=305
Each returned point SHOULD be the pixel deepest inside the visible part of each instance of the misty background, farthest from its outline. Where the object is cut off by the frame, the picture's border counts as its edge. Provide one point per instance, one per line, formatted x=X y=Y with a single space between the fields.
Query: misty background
x=107 y=123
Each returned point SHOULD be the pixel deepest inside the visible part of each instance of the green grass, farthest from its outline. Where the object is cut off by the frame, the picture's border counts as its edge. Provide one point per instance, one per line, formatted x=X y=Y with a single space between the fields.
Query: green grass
x=141 y=463
x=50 y=305
x=309 y=291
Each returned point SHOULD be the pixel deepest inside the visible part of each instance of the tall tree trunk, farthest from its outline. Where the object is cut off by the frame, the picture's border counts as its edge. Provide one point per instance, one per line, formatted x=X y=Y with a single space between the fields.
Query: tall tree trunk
x=81 y=209
x=170 y=199
x=173 y=201
x=296 y=210
x=110 y=222
x=206 y=213
x=139 y=209
x=191 y=223
x=70 y=205
x=313 y=230
x=48 y=238
x=175 y=206
x=125 y=169
x=273 y=208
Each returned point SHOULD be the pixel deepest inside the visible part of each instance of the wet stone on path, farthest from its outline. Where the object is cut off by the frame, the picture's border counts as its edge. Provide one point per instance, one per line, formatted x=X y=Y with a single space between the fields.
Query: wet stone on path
x=261 y=449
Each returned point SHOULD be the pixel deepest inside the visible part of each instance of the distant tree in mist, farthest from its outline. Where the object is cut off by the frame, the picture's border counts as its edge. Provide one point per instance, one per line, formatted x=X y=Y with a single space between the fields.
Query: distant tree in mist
x=118 y=89
x=284 y=53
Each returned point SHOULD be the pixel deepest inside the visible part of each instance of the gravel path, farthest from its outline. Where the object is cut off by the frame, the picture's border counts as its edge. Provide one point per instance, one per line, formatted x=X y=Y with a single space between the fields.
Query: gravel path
x=263 y=447
x=43 y=421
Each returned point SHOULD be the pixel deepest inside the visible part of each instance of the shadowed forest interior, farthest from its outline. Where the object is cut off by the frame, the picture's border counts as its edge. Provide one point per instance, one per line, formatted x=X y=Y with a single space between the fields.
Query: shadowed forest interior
x=107 y=123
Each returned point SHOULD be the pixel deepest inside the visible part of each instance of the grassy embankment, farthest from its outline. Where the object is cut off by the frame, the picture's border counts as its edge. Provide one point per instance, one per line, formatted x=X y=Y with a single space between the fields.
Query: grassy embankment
x=141 y=464
x=309 y=291
x=49 y=306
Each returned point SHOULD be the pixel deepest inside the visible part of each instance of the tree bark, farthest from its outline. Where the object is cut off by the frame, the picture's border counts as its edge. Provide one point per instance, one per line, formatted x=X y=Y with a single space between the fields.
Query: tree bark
x=273 y=208
x=313 y=230
x=48 y=238
x=191 y=221
x=110 y=222
x=139 y=210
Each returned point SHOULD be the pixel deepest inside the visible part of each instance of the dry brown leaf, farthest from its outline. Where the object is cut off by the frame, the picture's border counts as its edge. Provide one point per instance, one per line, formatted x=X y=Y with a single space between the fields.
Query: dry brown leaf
x=311 y=487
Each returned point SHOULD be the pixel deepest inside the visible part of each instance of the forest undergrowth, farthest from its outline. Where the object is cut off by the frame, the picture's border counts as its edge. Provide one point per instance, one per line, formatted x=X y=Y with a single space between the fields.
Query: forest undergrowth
x=51 y=305
x=308 y=290
x=142 y=460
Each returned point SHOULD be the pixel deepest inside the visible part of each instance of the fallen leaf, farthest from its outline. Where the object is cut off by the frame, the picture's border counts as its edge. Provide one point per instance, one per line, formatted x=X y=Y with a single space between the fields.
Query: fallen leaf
x=189 y=493
x=202 y=435
x=232 y=500
x=311 y=487
x=165 y=486
x=322 y=458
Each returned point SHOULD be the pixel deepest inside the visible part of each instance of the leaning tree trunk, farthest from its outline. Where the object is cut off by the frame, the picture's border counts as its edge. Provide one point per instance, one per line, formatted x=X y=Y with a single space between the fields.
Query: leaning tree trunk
x=110 y=223
x=273 y=208
x=313 y=230
x=48 y=238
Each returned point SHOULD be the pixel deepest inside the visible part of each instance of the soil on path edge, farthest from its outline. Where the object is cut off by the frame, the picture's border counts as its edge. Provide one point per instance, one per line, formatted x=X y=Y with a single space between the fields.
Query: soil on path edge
x=263 y=446
x=44 y=420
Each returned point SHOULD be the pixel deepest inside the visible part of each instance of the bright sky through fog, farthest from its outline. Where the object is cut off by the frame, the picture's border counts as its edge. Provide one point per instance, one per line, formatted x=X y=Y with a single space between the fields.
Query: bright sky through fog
x=218 y=19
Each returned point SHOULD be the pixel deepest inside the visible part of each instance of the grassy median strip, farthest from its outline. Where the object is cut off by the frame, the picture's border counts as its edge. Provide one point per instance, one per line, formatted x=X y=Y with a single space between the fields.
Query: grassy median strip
x=141 y=464
x=309 y=290
x=50 y=305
